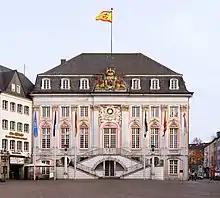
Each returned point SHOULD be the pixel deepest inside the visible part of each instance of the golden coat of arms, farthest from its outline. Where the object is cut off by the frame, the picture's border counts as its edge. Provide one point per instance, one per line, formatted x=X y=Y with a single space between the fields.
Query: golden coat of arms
x=110 y=81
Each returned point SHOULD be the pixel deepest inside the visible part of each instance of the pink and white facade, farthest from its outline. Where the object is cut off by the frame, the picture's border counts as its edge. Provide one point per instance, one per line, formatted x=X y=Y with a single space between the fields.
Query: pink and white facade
x=110 y=136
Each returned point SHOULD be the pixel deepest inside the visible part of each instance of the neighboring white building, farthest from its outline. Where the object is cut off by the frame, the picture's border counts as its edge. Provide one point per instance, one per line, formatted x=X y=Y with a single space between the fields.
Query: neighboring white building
x=108 y=98
x=15 y=121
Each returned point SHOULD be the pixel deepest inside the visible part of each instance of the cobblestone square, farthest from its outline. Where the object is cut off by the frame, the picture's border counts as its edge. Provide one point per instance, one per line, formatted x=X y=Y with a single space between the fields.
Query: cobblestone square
x=109 y=189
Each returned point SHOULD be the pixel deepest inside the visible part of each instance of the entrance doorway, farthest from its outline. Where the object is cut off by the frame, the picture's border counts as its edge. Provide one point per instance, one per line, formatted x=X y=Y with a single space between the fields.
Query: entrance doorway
x=109 y=169
x=109 y=137
x=15 y=171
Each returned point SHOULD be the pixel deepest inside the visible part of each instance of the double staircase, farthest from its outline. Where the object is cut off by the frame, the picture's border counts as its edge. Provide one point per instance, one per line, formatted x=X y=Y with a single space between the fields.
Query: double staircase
x=111 y=153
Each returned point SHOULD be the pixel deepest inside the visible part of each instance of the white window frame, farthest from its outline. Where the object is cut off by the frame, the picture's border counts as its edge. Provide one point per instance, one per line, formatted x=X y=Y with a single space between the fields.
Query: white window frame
x=84 y=137
x=65 y=111
x=19 y=127
x=84 y=84
x=13 y=87
x=173 y=112
x=19 y=145
x=135 y=111
x=135 y=84
x=26 y=146
x=26 y=128
x=12 y=126
x=173 y=167
x=26 y=110
x=19 y=108
x=84 y=111
x=65 y=83
x=174 y=143
x=153 y=111
x=153 y=85
x=65 y=137
x=46 y=83
x=135 y=137
x=45 y=170
x=46 y=138
x=5 y=105
x=18 y=89
x=12 y=145
x=4 y=144
x=5 y=124
x=154 y=137
x=12 y=107
x=47 y=115
x=174 y=84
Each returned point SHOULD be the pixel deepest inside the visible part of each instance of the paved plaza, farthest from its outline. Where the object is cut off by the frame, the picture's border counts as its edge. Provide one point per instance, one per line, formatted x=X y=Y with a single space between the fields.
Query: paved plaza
x=109 y=189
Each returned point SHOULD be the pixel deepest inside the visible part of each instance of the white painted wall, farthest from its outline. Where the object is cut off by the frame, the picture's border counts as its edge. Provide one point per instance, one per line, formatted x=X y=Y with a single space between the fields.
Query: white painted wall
x=17 y=117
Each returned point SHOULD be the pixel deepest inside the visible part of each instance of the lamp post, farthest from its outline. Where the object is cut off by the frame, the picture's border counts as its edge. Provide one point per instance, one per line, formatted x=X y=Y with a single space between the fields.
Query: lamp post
x=65 y=161
x=152 y=164
x=4 y=159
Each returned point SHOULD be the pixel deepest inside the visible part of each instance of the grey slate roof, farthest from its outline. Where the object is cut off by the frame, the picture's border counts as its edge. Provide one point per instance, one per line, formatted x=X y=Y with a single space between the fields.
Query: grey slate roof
x=125 y=64
x=6 y=76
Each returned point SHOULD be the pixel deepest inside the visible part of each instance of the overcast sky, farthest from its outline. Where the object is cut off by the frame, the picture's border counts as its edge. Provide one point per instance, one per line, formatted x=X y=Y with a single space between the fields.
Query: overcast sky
x=181 y=34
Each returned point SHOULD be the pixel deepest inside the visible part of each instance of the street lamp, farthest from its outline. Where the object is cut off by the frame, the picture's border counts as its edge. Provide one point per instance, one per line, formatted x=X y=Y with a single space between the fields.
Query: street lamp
x=152 y=162
x=65 y=161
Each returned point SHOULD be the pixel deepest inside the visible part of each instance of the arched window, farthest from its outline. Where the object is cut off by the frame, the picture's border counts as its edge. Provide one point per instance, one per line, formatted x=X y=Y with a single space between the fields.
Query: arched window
x=154 y=137
x=84 y=136
x=135 y=84
x=154 y=85
x=173 y=138
x=45 y=137
x=84 y=83
x=174 y=85
x=135 y=136
x=45 y=83
x=65 y=83
x=65 y=137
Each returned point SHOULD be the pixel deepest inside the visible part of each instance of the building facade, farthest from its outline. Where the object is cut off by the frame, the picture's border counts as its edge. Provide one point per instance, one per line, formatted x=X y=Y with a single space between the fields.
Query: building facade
x=119 y=115
x=15 y=123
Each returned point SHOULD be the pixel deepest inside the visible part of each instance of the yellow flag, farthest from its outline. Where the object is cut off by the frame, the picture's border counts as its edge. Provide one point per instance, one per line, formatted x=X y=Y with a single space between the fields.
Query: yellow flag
x=105 y=16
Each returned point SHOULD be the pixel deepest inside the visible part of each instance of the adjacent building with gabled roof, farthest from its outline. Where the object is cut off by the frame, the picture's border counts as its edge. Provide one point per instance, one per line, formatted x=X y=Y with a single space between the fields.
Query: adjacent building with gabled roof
x=15 y=121
x=130 y=115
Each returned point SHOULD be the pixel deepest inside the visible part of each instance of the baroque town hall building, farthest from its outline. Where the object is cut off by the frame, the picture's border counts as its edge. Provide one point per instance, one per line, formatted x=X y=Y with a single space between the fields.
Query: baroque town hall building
x=107 y=97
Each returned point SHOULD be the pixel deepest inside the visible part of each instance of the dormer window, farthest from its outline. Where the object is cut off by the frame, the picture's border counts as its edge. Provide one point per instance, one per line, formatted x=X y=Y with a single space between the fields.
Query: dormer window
x=84 y=83
x=135 y=84
x=174 y=84
x=45 y=84
x=65 y=83
x=155 y=84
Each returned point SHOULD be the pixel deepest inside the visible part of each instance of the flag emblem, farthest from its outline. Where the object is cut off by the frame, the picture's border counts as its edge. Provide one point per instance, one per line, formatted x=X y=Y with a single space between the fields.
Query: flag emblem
x=75 y=123
x=165 y=123
x=35 y=127
x=105 y=16
x=54 y=124
x=146 y=127
x=184 y=122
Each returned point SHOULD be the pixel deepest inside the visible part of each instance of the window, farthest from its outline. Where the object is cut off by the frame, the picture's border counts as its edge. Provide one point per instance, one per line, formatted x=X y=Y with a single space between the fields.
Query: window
x=65 y=137
x=154 y=137
x=45 y=84
x=5 y=105
x=26 y=146
x=155 y=111
x=155 y=84
x=173 y=138
x=135 y=137
x=26 y=110
x=18 y=89
x=46 y=170
x=174 y=85
x=65 y=83
x=26 y=128
x=5 y=124
x=46 y=138
x=12 y=107
x=84 y=111
x=4 y=144
x=174 y=111
x=173 y=166
x=84 y=83
x=12 y=126
x=19 y=127
x=135 y=84
x=12 y=144
x=19 y=145
x=19 y=108
x=135 y=111
x=84 y=137
x=13 y=87
x=65 y=111
x=46 y=112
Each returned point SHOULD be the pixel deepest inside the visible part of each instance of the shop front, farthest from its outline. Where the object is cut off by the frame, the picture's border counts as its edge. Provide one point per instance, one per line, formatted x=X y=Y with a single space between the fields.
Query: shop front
x=16 y=167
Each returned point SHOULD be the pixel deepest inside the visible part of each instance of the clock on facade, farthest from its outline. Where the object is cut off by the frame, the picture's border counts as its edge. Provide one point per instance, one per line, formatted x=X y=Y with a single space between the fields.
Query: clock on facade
x=110 y=111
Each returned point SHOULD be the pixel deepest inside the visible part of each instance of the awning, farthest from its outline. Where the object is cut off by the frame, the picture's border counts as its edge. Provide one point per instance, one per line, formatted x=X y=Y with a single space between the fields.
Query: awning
x=38 y=165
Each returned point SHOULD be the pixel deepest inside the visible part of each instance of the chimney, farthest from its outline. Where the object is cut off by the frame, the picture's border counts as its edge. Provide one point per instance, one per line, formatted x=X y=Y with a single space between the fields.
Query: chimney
x=62 y=61
x=218 y=134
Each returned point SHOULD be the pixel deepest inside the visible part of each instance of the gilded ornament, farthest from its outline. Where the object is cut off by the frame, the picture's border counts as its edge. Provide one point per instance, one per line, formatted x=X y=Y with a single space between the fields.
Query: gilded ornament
x=125 y=107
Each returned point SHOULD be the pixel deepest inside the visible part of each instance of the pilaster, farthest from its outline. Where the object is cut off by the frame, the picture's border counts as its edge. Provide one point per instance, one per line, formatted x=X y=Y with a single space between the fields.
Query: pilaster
x=74 y=111
x=95 y=126
x=126 y=133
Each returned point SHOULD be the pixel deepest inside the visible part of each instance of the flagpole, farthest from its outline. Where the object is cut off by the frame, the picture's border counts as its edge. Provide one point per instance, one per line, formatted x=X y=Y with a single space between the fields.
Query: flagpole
x=111 y=29
x=55 y=143
x=34 y=151
x=35 y=133
x=75 y=144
